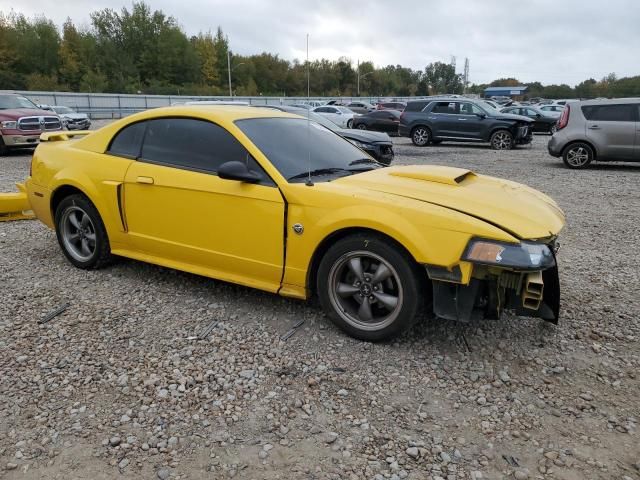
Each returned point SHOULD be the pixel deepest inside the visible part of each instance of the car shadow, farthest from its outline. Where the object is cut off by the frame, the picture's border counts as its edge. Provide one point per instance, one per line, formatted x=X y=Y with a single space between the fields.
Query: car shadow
x=280 y=313
x=604 y=166
x=19 y=152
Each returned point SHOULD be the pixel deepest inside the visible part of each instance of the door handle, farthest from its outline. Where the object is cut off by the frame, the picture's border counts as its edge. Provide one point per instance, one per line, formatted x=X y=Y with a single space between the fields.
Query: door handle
x=594 y=127
x=462 y=119
x=145 y=180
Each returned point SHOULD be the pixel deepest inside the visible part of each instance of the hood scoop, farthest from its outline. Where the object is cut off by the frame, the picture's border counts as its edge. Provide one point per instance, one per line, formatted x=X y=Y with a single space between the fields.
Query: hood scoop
x=438 y=174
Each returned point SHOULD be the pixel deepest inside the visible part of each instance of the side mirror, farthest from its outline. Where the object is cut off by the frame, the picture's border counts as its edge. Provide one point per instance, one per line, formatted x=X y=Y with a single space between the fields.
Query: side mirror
x=235 y=170
x=481 y=115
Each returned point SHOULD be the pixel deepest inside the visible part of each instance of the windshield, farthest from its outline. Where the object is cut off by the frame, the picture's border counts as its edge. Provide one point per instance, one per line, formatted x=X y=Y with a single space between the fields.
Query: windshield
x=63 y=110
x=296 y=146
x=14 y=101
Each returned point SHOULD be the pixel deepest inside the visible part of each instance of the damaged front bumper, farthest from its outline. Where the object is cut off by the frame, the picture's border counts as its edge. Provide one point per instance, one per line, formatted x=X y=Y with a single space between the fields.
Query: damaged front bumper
x=492 y=289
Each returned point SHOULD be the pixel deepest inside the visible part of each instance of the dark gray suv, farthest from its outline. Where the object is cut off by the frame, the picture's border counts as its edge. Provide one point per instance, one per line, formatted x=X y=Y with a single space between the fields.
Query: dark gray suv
x=462 y=120
x=600 y=130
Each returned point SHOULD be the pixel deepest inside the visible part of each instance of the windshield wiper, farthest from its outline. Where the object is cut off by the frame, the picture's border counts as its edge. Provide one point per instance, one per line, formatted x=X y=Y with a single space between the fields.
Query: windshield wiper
x=319 y=171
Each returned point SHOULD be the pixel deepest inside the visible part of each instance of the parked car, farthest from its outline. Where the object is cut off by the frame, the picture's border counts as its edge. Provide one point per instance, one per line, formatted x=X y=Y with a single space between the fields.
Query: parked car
x=541 y=121
x=598 y=130
x=462 y=120
x=380 y=120
x=551 y=110
x=376 y=144
x=492 y=104
x=341 y=116
x=338 y=103
x=306 y=106
x=22 y=122
x=360 y=107
x=400 y=106
x=71 y=119
x=223 y=193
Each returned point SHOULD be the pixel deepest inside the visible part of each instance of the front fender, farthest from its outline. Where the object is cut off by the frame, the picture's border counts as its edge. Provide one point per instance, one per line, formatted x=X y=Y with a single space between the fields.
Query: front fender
x=431 y=234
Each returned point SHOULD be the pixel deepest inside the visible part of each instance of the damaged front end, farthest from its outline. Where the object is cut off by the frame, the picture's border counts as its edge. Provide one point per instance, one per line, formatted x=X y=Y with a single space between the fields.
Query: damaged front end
x=522 y=278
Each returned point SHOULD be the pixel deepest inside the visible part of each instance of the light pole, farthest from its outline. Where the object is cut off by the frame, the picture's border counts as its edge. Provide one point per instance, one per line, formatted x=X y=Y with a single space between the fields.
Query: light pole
x=361 y=76
x=229 y=69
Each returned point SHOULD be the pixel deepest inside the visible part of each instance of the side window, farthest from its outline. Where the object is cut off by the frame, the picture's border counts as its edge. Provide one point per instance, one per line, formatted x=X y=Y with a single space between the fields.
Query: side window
x=190 y=144
x=444 y=107
x=531 y=112
x=128 y=141
x=333 y=110
x=470 y=109
x=612 y=113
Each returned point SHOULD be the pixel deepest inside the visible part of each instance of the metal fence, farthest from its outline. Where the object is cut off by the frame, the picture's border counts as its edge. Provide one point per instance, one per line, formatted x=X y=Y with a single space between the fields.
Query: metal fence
x=113 y=105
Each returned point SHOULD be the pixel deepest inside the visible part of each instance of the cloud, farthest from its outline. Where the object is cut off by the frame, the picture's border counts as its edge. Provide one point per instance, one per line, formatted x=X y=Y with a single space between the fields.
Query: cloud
x=546 y=40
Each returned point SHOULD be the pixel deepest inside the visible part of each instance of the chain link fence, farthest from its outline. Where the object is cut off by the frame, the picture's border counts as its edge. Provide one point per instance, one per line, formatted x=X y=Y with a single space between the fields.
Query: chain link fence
x=113 y=105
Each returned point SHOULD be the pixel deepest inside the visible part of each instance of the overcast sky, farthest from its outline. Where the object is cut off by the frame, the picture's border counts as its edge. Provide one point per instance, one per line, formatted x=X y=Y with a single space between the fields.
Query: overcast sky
x=553 y=41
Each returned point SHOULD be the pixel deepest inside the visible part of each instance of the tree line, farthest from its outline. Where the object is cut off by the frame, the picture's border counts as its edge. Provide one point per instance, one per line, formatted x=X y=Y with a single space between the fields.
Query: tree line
x=145 y=51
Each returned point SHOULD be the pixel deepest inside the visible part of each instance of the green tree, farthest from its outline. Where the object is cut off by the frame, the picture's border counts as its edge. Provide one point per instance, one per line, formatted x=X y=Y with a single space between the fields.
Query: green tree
x=442 y=78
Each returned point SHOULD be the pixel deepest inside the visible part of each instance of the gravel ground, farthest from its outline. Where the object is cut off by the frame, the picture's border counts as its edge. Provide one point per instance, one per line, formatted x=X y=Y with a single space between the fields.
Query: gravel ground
x=117 y=385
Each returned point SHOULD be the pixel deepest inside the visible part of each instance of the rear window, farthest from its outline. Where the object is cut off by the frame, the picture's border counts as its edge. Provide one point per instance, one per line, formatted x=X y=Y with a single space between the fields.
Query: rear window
x=415 y=106
x=610 y=113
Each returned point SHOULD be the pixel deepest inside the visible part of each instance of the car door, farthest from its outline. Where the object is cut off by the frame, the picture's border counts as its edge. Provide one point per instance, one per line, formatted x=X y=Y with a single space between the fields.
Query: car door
x=444 y=121
x=335 y=115
x=612 y=129
x=178 y=210
x=471 y=120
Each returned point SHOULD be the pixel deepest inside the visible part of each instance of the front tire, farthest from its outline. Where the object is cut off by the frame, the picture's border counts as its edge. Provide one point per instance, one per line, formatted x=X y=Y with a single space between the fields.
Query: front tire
x=361 y=126
x=369 y=287
x=502 y=140
x=350 y=123
x=420 y=136
x=3 y=149
x=81 y=233
x=578 y=155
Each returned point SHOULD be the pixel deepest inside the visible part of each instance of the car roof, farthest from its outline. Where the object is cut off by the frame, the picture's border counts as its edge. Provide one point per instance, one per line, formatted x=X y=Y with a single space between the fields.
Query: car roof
x=609 y=101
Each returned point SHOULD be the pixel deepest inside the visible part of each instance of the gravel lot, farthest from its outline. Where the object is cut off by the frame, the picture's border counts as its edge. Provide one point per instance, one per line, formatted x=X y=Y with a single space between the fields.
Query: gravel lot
x=116 y=385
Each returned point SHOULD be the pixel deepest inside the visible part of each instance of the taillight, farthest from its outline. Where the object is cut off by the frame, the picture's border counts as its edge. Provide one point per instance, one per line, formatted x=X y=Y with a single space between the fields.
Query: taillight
x=564 y=117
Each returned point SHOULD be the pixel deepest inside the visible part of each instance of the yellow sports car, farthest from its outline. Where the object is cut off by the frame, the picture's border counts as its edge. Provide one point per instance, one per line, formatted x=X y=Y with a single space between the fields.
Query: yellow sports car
x=276 y=202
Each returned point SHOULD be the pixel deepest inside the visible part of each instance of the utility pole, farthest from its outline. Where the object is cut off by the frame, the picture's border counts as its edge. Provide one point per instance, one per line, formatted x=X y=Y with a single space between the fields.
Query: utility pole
x=466 y=75
x=358 y=75
x=229 y=70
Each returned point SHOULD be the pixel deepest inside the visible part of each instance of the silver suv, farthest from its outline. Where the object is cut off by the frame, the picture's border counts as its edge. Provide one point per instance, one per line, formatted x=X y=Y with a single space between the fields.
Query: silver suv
x=598 y=130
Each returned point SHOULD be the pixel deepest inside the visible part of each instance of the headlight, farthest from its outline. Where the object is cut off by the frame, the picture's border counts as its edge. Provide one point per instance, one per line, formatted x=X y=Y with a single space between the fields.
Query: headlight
x=524 y=255
x=358 y=144
x=13 y=125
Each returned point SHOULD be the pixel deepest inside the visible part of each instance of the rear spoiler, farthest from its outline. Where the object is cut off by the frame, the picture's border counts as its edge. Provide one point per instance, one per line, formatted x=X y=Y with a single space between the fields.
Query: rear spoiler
x=61 y=136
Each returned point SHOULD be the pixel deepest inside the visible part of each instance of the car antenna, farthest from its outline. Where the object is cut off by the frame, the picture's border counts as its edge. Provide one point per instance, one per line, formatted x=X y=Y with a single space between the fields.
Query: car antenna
x=308 y=183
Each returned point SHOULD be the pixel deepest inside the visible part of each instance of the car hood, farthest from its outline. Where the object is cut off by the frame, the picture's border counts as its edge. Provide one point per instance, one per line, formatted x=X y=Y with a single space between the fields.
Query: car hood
x=517 y=209
x=74 y=116
x=364 y=135
x=16 y=113
x=512 y=116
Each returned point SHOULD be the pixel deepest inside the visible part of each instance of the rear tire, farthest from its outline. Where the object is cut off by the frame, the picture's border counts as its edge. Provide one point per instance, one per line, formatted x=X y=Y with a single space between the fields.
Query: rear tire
x=81 y=233
x=502 y=140
x=577 y=155
x=421 y=136
x=369 y=287
x=361 y=126
x=350 y=123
